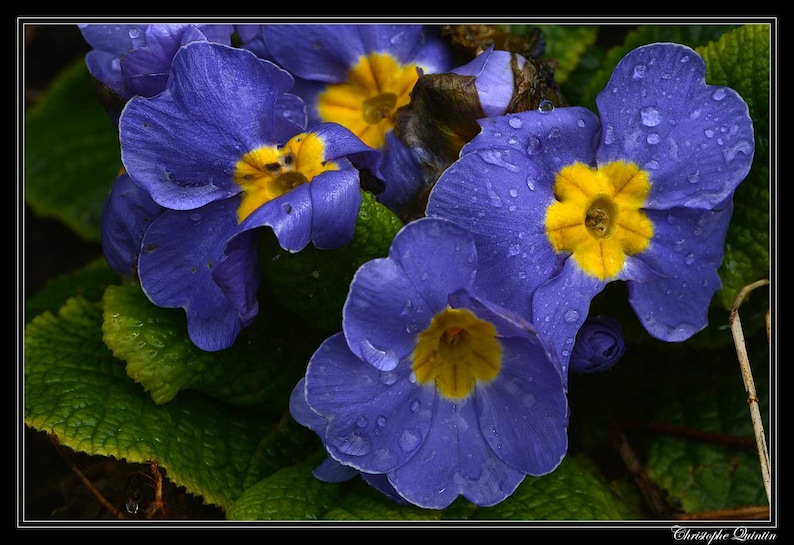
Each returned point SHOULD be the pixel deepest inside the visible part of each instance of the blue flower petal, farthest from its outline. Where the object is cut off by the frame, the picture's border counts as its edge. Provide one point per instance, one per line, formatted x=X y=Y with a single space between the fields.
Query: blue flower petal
x=495 y=81
x=405 y=181
x=488 y=192
x=454 y=460
x=687 y=248
x=326 y=52
x=560 y=307
x=382 y=314
x=336 y=199
x=695 y=140
x=177 y=273
x=183 y=144
x=523 y=412
x=126 y=215
x=376 y=419
x=290 y=217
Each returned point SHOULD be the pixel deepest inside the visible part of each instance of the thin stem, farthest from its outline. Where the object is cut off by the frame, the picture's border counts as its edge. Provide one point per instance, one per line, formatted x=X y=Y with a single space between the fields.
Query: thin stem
x=749 y=384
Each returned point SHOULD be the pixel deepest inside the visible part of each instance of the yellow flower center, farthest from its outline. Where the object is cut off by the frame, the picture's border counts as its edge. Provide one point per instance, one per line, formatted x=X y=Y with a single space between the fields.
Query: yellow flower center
x=598 y=216
x=366 y=102
x=455 y=351
x=268 y=172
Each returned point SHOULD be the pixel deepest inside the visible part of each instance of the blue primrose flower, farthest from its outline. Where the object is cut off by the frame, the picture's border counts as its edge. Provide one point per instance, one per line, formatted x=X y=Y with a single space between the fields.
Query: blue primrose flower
x=331 y=471
x=224 y=151
x=441 y=391
x=136 y=59
x=359 y=76
x=561 y=203
x=599 y=345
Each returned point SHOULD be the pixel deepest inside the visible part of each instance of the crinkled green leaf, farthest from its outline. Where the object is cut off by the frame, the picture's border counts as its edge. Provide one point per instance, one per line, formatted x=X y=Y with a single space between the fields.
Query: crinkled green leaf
x=692 y=387
x=574 y=491
x=740 y=60
x=291 y=493
x=89 y=282
x=71 y=153
x=74 y=388
x=697 y=474
x=691 y=35
x=313 y=283
x=259 y=370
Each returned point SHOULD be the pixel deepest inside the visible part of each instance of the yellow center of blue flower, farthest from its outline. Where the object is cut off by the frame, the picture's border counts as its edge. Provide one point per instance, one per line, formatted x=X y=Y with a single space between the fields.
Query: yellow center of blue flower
x=268 y=172
x=455 y=351
x=367 y=100
x=598 y=216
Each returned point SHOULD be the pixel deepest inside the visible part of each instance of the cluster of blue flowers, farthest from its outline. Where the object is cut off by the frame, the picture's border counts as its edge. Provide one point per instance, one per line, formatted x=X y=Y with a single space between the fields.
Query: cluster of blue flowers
x=450 y=374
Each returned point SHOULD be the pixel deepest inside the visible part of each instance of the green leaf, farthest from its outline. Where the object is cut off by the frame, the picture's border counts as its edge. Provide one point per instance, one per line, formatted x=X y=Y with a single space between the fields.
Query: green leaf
x=692 y=388
x=259 y=370
x=89 y=282
x=740 y=60
x=313 y=283
x=291 y=493
x=75 y=389
x=574 y=491
x=702 y=475
x=71 y=153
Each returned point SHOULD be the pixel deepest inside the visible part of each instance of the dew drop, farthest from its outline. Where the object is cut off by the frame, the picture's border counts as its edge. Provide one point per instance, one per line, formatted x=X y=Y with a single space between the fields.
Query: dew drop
x=709 y=133
x=195 y=216
x=742 y=146
x=380 y=421
x=415 y=404
x=531 y=183
x=388 y=378
x=689 y=259
x=534 y=145
x=650 y=116
x=554 y=132
x=515 y=122
x=513 y=192
x=693 y=177
x=719 y=94
x=640 y=71
x=571 y=316
x=362 y=421
x=134 y=33
x=409 y=440
x=353 y=445
x=546 y=106
x=580 y=123
x=653 y=138
x=609 y=134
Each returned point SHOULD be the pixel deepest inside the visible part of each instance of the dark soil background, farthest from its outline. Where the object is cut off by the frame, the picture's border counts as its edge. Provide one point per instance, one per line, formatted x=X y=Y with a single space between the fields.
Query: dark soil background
x=52 y=481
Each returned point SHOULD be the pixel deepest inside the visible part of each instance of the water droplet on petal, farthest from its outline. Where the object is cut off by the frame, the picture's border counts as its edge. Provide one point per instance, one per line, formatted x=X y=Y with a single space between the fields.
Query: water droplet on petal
x=650 y=116
x=513 y=192
x=195 y=216
x=609 y=134
x=639 y=71
x=571 y=316
x=546 y=106
x=719 y=94
x=709 y=133
x=689 y=259
x=693 y=177
x=380 y=421
x=415 y=404
x=353 y=445
x=580 y=123
x=534 y=145
x=653 y=138
x=515 y=122
x=362 y=421
x=409 y=440
x=531 y=183
x=134 y=33
x=742 y=146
